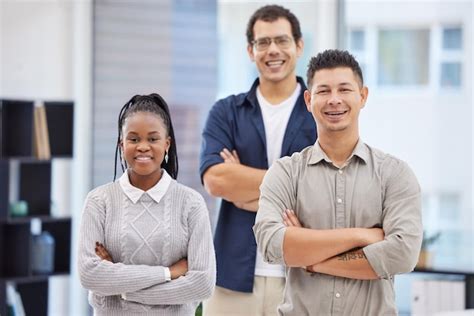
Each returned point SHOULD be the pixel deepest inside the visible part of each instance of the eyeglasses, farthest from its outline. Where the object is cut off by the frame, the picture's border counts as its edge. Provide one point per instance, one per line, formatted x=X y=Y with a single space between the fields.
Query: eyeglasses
x=264 y=43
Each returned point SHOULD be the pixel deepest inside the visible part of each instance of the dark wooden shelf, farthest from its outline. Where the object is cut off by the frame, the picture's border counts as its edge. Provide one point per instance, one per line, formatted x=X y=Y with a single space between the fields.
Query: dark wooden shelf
x=33 y=178
x=42 y=218
x=23 y=159
x=33 y=278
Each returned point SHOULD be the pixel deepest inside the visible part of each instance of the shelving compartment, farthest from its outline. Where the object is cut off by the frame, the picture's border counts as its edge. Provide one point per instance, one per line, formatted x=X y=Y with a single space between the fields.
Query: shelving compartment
x=16 y=132
x=60 y=117
x=60 y=229
x=15 y=250
x=35 y=187
x=34 y=296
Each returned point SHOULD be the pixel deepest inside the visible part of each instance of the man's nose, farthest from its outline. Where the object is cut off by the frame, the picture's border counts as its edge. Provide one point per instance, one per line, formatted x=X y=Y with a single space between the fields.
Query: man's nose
x=273 y=47
x=335 y=99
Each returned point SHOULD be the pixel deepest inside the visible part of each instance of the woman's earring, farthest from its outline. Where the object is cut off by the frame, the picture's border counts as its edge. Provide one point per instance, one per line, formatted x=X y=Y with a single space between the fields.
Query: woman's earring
x=166 y=157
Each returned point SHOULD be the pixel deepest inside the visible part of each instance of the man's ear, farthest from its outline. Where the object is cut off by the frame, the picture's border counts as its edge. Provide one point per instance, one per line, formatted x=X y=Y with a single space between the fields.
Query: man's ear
x=250 y=52
x=364 y=93
x=299 y=47
x=307 y=100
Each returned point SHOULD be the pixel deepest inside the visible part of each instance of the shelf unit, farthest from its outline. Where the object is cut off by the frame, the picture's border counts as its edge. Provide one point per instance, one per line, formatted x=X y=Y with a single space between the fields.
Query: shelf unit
x=468 y=281
x=32 y=183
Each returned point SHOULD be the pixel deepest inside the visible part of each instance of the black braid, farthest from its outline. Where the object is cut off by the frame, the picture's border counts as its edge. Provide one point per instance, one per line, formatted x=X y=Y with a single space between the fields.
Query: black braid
x=152 y=103
x=117 y=146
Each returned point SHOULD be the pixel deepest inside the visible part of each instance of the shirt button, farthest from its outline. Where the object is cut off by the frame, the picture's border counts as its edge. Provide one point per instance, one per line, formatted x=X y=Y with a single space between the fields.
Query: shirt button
x=340 y=171
x=338 y=295
x=339 y=201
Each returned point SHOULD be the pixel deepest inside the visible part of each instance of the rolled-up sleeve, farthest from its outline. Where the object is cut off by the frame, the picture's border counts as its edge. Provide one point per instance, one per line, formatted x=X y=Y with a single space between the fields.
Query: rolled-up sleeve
x=215 y=137
x=402 y=225
x=276 y=195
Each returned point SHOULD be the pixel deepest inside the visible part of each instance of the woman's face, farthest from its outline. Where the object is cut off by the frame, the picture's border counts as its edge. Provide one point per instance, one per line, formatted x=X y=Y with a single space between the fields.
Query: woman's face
x=145 y=142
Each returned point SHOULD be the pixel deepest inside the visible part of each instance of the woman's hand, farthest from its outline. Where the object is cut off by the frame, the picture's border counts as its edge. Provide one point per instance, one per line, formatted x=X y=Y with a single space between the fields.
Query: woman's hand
x=102 y=252
x=179 y=268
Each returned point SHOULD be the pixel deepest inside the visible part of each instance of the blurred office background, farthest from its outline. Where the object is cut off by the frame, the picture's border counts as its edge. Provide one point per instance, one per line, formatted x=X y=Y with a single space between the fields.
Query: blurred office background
x=416 y=57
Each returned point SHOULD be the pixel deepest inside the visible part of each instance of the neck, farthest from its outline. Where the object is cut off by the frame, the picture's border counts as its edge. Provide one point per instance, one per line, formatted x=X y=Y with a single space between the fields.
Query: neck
x=144 y=183
x=277 y=92
x=338 y=146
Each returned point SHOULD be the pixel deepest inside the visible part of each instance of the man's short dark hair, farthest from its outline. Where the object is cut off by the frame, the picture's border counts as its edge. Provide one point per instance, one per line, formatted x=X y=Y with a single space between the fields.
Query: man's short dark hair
x=271 y=13
x=333 y=58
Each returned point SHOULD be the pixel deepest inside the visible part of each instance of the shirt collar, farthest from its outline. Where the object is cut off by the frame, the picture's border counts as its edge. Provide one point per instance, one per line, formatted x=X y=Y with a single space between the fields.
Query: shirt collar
x=361 y=150
x=317 y=153
x=251 y=98
x=156 y=192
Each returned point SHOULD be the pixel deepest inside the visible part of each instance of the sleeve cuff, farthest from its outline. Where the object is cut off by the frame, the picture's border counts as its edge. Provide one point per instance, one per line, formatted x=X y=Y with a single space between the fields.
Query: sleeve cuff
x=274 y=253
x=167 y=274
x=208 y=163
x=374 y=254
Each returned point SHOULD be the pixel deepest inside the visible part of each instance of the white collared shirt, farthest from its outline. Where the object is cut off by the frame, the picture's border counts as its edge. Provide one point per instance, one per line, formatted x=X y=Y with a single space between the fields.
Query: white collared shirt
x=156 y=192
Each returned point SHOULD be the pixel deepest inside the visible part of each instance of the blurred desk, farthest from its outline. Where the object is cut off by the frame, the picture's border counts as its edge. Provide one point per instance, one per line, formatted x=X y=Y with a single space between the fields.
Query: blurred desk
x=468 y=281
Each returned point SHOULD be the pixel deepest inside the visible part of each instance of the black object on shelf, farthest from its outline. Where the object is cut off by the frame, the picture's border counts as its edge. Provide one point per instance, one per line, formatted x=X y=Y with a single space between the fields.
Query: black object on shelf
x=41 y=249
x=60 y=229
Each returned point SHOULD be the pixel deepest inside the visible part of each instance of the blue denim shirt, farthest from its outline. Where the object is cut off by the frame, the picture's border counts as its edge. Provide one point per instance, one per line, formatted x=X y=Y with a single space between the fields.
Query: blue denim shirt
x=236 y=123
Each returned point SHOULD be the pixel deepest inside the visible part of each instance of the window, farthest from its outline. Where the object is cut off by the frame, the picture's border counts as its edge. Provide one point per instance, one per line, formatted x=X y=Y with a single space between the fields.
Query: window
x=357 y=46
x=452 y=38
x=449 y=206
x=409 y=57
x=403 y=57
x=357 y=40
x=450 y=74
x=451 y=57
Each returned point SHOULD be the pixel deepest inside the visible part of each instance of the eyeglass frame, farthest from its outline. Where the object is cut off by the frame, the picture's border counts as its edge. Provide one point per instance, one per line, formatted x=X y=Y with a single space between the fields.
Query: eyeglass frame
x=270 y=40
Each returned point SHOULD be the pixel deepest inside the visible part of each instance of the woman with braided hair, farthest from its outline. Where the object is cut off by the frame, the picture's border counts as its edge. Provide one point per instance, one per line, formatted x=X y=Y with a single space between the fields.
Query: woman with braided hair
x=145 y=241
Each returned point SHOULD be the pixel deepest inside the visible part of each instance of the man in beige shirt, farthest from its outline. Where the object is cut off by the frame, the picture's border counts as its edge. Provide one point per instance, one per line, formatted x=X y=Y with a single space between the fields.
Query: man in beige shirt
x=343 y=217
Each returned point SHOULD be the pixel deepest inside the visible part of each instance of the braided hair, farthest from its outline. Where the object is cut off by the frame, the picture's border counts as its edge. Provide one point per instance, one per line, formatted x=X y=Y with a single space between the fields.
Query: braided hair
x=155 y=104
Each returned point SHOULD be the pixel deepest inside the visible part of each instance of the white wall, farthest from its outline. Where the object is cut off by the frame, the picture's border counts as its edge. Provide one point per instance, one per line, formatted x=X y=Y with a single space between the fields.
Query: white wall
x=45 y=55
x=36 y=49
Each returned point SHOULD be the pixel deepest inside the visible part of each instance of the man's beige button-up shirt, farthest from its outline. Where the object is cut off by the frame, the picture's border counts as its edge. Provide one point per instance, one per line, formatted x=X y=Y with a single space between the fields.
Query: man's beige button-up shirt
x=372 y=189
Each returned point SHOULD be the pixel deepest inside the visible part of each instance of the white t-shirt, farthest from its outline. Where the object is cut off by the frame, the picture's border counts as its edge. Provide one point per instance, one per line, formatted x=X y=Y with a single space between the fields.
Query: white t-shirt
x=275 y=120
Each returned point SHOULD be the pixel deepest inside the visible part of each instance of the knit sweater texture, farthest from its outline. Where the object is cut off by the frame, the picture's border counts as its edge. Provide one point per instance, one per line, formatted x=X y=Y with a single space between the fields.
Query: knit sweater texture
x=143 y=237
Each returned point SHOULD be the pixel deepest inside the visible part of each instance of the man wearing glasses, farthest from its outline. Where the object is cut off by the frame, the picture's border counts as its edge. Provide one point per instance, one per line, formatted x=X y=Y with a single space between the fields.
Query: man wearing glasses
x=244 y=134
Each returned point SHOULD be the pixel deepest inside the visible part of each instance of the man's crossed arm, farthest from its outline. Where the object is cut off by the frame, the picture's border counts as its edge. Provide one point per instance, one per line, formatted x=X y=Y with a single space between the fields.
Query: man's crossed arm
x=234 y=181
x=338 y=252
